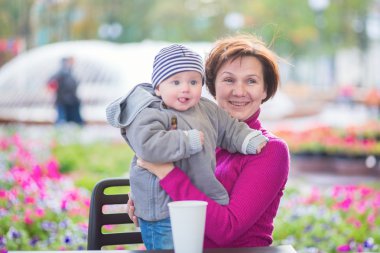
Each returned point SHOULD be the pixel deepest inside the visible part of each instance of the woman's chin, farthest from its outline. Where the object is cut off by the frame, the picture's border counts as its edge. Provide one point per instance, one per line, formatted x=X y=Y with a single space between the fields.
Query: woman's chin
x=237 y=114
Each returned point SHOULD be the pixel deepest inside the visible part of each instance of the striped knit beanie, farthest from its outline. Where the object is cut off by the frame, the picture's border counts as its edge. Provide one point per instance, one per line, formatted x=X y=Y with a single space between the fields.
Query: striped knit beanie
x=174 y=59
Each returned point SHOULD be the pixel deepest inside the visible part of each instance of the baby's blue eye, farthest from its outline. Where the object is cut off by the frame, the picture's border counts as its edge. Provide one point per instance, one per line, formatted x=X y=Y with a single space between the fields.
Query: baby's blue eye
x=176 y=82
x=193 y=82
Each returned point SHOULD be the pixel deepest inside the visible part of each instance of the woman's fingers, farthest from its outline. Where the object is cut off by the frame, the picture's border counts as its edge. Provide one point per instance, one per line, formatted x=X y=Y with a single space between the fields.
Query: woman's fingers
x=131 y=211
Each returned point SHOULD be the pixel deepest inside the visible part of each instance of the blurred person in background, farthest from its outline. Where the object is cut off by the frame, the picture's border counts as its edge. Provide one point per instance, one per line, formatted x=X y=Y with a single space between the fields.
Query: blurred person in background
x=65 y=85
x=241 y=74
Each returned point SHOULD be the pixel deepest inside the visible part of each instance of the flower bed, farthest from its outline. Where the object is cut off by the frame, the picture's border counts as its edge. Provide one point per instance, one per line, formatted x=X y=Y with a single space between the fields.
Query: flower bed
x=39 y=208
x=336 y=219
x=351 y=150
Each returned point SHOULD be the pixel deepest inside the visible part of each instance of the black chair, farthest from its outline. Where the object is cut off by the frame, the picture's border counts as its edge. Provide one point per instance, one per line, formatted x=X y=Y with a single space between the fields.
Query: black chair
x=97 y=219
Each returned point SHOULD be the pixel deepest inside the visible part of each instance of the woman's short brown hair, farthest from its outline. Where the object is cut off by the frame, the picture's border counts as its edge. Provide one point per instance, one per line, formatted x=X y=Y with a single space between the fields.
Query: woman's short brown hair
x=232 y=48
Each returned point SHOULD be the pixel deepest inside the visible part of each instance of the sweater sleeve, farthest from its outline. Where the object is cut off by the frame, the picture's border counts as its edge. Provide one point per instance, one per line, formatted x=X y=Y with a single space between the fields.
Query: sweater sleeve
x=259 y=183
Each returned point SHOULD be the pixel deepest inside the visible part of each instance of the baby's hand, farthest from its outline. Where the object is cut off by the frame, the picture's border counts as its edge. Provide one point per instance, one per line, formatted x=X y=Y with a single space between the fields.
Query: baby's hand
x=256 y=143
x=260 y=147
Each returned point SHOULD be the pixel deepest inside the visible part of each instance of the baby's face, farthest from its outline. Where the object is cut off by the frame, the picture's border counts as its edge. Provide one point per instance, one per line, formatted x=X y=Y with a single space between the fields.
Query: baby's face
x=181 y=91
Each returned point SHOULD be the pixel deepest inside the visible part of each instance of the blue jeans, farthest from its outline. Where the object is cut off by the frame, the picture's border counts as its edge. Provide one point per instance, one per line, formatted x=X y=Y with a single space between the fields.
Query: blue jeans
x=61 y=114
x=157 y=235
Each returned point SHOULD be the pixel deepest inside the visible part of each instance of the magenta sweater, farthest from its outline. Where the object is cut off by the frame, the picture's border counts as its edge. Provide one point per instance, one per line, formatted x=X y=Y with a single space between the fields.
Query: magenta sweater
x=255 y=184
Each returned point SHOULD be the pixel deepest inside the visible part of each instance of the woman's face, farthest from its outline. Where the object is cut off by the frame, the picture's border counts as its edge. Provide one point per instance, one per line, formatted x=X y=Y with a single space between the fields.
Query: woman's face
x=239 y=87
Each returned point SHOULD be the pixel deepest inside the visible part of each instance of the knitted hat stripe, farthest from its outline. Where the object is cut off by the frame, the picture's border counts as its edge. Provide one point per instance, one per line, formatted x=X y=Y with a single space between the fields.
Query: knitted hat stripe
x=165 y=63
x=174 y=63
x=174 y=55
x=168 y=55
x=174 y=71
x=174 y=59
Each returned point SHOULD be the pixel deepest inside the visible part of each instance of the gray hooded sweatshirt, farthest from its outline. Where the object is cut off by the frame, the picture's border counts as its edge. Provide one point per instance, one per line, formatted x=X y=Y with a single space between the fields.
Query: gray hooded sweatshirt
x=146 y=126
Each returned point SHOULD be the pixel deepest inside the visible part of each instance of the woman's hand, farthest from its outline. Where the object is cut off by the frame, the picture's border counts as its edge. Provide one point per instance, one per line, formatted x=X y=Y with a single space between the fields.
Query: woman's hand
x=131 y=211
x=158 y=169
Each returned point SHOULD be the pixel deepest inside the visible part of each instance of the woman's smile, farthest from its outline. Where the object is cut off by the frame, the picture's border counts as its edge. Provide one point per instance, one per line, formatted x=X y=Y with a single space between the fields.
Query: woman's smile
x=239 y=103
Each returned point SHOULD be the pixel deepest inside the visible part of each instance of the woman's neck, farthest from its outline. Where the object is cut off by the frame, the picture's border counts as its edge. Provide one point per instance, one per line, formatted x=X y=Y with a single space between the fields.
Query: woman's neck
x=253 y=117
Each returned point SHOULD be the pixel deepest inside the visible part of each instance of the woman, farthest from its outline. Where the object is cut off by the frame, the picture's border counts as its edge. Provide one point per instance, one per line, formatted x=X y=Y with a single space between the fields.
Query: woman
x=241 y=74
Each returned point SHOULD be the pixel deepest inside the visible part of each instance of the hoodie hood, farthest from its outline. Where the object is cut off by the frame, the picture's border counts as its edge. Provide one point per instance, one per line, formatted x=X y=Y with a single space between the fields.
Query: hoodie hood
x=121 y=112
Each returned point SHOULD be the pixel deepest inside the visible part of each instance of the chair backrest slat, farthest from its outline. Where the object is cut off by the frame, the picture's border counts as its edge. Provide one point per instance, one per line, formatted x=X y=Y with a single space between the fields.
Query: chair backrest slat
x=115 y=218
x=114 y=199
x=96 y=239
x=115 y=239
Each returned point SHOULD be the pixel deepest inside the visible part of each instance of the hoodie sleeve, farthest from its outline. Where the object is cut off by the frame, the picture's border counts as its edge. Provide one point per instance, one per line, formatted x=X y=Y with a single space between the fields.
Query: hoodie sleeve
x=233 y=135
x=149 y=137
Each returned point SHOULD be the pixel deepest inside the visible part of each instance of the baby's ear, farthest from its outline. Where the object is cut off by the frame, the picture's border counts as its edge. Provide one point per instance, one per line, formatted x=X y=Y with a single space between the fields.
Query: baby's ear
x=157 y=92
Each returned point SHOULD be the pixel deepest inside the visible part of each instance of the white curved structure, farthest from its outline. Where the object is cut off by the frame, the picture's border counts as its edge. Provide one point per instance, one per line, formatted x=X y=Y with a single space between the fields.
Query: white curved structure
x=105 y=71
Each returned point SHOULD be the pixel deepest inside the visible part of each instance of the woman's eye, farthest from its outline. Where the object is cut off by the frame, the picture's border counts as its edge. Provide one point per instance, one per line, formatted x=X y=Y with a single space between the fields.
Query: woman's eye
x=228 y=80
x=252 y=81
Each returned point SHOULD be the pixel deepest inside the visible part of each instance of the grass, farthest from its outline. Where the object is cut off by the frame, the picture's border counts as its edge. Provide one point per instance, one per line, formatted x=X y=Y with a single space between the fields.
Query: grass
x=89 y=163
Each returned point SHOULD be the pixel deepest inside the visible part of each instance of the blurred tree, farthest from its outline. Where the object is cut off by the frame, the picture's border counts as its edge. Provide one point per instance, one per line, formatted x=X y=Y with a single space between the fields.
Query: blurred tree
x=14 y=28
x=14 y=19
x=292 y=25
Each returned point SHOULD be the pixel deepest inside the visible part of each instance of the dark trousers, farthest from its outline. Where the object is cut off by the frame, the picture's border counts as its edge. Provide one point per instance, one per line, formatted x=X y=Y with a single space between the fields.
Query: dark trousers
x=69 y=113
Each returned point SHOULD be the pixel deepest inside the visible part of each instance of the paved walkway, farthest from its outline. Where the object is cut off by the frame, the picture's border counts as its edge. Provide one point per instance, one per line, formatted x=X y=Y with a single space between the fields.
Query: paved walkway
x=324 y=179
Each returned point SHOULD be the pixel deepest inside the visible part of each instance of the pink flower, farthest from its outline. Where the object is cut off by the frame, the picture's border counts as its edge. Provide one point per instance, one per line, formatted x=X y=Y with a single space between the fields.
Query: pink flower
x=36 y=172
x=3 y=194
x=343 y=248
x=64 y=205
x=87 y=202
x=28 y=220
x=365 y=191
x=314 y=196
x=371 y=219
x=27 y=217
x=53 y=169
x=108 y=227
x=361 y=207
x=40 y=212
x=29 y=200
x=4 y=144
x=345 y=204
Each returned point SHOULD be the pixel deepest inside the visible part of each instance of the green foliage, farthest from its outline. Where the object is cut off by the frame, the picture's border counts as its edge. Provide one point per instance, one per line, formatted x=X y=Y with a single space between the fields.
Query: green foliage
x=89 y=163
x=292 y=24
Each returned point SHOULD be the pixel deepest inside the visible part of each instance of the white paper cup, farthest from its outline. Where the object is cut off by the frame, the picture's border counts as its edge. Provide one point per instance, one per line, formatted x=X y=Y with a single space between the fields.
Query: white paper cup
x=188 y=220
